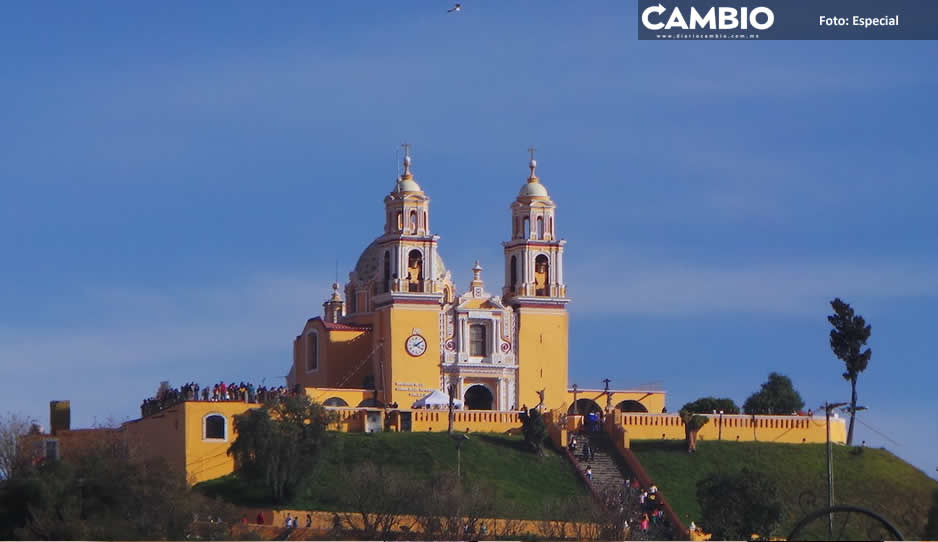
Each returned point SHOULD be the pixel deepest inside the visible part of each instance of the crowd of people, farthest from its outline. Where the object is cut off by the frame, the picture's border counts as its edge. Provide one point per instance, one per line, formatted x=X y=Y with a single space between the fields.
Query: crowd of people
x=244 y=392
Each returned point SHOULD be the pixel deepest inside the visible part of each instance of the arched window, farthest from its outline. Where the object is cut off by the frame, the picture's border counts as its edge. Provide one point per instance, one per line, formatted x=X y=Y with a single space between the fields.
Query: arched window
x=214 y=427
x=541 y=275
x=550 y=226
x=414 y=271
x=514 y=273
x=413 y=222
x=477 y=343
x=426 y=222
x=312 y=352
x=540 y=228
x=387 y=272
x=527 y=227
x=515 y=228
x=400 y=221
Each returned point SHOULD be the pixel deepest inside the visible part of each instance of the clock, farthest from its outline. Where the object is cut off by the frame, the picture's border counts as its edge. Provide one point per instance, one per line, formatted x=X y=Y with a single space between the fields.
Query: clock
x=416 y=345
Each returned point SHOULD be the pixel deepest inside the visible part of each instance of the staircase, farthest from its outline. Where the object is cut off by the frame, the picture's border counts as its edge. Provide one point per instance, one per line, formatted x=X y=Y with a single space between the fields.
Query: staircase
x=607 y=472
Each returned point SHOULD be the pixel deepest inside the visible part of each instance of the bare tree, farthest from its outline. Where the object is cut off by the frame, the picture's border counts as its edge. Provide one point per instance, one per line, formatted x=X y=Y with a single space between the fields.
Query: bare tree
x=13 y=457
x=375 y=498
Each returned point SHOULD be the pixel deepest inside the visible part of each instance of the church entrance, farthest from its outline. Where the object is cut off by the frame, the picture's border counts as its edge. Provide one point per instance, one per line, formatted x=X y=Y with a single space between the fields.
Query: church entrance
x=478 y=397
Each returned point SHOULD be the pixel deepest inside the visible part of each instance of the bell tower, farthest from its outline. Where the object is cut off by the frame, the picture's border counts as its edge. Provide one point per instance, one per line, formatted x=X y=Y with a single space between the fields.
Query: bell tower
x=411 y=285
x=535 y=289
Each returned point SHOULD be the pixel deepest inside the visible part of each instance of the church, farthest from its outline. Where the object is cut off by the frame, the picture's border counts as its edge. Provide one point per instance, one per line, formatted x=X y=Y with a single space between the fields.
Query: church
x=400 y=331
x=403 y=329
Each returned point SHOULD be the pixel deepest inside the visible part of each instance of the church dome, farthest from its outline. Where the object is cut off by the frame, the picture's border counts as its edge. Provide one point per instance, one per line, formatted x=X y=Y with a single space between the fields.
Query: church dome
x=367 y=267
x=533 y=188
x=407 y=184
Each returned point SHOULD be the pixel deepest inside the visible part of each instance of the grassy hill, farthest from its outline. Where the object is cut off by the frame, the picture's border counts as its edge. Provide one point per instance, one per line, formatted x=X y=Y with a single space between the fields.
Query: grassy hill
x=873 y=479
x=523 y=482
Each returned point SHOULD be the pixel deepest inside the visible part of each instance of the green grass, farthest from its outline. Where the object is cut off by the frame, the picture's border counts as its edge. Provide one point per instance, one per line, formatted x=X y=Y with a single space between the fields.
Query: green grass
x=522 y=481
x=873 y=479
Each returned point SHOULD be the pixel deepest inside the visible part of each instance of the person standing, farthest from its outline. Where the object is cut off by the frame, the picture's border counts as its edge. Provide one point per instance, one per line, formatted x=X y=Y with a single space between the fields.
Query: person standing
x=589 y=473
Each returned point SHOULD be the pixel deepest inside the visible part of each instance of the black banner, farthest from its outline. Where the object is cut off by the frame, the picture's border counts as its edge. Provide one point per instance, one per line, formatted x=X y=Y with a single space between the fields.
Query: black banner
x=788 y=19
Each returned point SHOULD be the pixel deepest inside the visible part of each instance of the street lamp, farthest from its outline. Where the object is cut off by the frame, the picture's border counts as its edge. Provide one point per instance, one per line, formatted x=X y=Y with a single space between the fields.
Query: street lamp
x=721 y=426
x=460 y=439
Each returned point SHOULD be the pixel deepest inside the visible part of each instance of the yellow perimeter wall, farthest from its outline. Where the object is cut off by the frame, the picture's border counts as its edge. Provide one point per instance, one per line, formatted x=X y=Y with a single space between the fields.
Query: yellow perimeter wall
x=791 y=429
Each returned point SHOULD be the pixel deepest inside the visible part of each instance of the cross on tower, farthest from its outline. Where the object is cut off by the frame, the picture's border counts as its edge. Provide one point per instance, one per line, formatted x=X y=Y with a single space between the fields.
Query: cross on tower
x=406 y=147
x=531 y=150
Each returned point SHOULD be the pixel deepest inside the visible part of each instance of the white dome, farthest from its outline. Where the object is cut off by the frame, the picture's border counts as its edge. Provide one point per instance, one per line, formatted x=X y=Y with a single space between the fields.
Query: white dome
x=533 y=189
x=407 y=185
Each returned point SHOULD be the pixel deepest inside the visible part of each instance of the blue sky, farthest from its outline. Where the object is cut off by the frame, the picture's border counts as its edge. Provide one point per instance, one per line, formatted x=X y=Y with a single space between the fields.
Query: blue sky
x=177 y=182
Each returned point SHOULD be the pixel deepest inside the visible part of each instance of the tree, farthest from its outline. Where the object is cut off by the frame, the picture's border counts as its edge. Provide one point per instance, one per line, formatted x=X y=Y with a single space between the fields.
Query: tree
x=736 y=505
x=534 y=430
x=692 y=425
x=13 y=457
x=848 y=338
x=931 y=528
x=278 y=444
x=103 y=490
x=777 y=396
x=706 y=405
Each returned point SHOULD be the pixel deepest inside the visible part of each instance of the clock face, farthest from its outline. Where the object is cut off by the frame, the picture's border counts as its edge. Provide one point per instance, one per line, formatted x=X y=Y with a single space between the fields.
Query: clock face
x=416 y=345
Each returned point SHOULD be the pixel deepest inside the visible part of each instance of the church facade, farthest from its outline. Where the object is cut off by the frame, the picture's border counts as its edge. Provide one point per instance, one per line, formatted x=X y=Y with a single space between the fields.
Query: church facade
x=403 y=329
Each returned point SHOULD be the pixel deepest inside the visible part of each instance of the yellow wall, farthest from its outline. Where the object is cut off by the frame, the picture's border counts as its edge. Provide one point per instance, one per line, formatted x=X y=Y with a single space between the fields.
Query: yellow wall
x=542 y=352
x=652 y=400
x=341 y=353
x=408 y=378
x=207 y=459
x=791 y=429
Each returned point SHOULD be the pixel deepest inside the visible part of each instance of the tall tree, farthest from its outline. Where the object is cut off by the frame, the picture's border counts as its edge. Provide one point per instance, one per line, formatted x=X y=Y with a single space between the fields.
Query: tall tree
x=848 y=338
x=692 y=425
x=534 y=430
x=777 y=396
x=278 y=444
x=13 y=457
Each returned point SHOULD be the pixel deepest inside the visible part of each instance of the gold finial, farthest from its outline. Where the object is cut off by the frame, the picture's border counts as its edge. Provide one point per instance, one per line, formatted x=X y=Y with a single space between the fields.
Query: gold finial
x=532 y=165
x=407 y=173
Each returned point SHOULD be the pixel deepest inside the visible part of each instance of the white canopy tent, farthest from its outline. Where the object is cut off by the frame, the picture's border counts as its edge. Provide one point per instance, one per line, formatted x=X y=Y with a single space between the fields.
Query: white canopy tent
x=436 y=399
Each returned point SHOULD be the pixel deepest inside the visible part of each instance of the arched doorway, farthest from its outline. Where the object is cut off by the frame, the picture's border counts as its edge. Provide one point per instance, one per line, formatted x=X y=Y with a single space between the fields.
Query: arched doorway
x=583 y=407
x=630 y=405
x=335 y=402
x=478 y=397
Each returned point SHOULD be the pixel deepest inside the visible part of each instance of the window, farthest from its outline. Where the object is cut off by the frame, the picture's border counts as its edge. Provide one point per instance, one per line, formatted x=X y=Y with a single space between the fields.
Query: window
x=52 y=450
x=477 y=343
x=541 y=275
x=413 y=222
x=415 y=271
x=400 y=221
x=527 y=227
x=540 y=228
x=214 y=427
x=312 y=352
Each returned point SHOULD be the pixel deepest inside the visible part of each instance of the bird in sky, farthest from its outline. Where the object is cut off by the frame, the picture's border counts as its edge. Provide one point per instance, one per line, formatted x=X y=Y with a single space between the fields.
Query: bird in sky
x=456 y=7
